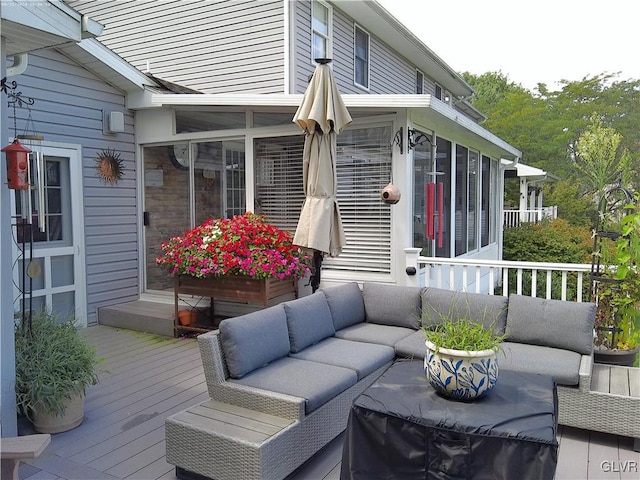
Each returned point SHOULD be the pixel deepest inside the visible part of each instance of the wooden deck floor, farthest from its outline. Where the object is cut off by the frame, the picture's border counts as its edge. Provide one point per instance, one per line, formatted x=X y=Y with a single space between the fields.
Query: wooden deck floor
x=149 y=377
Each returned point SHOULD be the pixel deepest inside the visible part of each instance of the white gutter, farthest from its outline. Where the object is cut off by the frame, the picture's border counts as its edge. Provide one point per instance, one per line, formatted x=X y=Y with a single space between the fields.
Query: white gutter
x=20 y=64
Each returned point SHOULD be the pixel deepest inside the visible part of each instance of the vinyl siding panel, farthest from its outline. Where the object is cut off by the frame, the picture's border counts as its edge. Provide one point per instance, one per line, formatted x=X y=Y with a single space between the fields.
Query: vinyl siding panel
x=69 y=102
x=230 y=46
x=390 y=72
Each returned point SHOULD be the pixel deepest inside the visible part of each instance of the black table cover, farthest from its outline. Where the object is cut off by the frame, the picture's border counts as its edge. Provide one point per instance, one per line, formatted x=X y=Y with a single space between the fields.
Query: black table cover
x=400 y=428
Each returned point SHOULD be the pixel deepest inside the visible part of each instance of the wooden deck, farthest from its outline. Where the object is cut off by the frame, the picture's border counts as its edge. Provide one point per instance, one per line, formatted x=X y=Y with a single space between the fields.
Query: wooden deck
x=149 y=377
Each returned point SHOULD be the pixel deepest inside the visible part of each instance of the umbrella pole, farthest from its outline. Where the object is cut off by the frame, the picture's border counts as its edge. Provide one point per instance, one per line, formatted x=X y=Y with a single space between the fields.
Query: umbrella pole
x=315 y=274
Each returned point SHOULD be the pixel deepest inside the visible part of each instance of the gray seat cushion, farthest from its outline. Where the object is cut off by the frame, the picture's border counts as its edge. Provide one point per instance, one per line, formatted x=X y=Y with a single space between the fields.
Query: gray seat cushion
x=439 y=305
x=392 y=305
x=316 y=382
x=253 y=340
x=552 y=323
x=412 y=347
x=309 y=321
x=562 y=365
x=362 y=357
x=346 y=304
x=374 y=333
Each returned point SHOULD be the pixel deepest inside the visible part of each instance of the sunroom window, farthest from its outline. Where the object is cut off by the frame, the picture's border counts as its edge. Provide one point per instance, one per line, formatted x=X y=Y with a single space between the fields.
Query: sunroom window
x=363 y=169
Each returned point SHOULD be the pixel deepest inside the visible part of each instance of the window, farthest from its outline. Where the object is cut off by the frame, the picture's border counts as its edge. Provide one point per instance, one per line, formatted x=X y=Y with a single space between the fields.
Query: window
x=419 y=82
x=443 y=165
x=467 y=186
x=321 y=31
x=422 y=174
x=462 y=163
x=472 y=206
x=361 y=61
x=439 y=92
x=363 y=169
x=485 y=201
x=56 y=202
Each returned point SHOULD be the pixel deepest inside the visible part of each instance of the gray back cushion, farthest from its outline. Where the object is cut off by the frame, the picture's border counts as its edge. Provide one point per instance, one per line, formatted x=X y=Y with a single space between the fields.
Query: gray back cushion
x=392 y=305
x=438 y=305
x=253 y=340
x=309 y=321
x=346 y=304
x=551 y=323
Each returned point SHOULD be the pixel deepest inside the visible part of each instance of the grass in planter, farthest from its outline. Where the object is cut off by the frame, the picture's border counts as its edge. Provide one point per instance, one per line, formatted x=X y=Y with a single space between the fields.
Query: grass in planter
x=463 y=334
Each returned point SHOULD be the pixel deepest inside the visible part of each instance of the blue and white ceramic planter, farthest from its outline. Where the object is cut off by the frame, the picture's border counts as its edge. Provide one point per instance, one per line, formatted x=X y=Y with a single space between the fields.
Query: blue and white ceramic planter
x=461 y=375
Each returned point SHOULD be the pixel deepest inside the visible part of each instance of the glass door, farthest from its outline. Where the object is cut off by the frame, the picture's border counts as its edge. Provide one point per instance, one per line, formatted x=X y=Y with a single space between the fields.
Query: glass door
x=184 y=185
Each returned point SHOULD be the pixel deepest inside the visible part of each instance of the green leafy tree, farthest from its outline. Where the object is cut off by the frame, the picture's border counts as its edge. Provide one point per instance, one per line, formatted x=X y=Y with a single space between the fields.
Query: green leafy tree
x=600 y=158
x=545 y=123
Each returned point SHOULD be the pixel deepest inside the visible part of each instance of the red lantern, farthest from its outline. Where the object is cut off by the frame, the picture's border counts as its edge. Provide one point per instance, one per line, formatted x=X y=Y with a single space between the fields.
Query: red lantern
x=17 y=165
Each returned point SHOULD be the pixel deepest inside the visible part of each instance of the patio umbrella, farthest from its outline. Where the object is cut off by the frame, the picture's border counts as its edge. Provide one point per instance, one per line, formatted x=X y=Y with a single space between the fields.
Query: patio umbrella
x=322 y=116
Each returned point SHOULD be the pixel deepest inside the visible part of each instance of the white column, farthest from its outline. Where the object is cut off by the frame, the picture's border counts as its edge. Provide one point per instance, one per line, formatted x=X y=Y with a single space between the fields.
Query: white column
x=524 y=199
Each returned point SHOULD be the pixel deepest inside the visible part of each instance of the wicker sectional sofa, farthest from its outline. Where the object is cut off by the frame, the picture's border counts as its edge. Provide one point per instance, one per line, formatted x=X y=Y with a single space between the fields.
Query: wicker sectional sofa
x=281 y=380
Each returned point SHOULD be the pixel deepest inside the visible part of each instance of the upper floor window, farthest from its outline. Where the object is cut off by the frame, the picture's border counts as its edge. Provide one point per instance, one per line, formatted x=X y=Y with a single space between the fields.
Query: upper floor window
x=321 y=31
x=442 y=94
x=361 y=60
x=419 y=82
x=439 y=92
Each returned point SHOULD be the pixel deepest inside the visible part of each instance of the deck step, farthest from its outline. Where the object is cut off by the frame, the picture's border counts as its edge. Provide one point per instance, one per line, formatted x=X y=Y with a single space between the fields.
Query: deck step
x=139 y=315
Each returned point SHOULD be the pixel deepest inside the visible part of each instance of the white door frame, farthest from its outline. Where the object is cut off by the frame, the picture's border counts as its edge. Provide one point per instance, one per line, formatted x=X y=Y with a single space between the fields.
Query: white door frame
x=77 y=248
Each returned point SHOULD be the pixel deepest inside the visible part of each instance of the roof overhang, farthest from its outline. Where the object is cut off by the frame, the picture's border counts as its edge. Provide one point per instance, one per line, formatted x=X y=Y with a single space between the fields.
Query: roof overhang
x=30 y=26
x=532 y=174
x=423 y=105
x=372 y=16
x=97 y=58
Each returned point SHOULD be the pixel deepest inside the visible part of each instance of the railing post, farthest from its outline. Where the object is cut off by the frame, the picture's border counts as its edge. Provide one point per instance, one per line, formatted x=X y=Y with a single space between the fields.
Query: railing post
x=412 y=269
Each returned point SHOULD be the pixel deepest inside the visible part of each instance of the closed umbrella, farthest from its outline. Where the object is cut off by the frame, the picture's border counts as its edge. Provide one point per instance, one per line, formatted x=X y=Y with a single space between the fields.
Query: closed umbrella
x=322 y=116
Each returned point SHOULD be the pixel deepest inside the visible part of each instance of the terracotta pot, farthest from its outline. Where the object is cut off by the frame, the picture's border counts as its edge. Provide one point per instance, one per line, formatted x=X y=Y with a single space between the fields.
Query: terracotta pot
x=184 y=317
x=194 y=316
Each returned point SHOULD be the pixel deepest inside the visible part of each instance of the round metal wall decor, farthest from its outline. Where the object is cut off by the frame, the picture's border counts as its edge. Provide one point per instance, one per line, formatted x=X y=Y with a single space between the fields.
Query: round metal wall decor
x=109 y=166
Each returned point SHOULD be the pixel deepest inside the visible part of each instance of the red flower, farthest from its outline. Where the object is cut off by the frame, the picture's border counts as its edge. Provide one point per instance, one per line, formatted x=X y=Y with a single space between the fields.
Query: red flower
x=242 y=245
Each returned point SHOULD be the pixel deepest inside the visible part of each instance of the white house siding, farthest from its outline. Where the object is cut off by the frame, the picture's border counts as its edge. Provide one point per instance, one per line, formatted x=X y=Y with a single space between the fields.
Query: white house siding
x=213 y=46
x=390 y=72
x=69 y=101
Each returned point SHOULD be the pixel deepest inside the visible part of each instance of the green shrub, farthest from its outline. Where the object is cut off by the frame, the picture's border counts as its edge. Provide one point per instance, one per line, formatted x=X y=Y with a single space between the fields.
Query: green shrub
x=549 y=241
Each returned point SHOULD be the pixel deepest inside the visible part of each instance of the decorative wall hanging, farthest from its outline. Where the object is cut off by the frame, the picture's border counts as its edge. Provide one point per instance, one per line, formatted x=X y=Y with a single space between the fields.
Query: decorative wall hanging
x=109 y=166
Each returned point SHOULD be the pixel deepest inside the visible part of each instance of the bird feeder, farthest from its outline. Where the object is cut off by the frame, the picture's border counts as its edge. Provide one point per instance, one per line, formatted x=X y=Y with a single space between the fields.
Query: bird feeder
x=17 y=165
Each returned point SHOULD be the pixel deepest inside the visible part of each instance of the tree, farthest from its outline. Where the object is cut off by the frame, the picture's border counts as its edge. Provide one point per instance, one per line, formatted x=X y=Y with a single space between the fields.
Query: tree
x=600 y=158
x=545 y=124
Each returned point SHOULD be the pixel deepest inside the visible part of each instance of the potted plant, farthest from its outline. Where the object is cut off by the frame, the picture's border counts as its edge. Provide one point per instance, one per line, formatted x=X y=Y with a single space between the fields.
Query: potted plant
x=54 y=365
x=461 y=360
x=244 y=245
x=243 y=258
x=618 y=293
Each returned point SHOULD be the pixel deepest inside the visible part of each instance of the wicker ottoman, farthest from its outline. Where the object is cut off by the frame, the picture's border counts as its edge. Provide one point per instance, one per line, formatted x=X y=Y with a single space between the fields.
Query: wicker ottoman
x=225 y=441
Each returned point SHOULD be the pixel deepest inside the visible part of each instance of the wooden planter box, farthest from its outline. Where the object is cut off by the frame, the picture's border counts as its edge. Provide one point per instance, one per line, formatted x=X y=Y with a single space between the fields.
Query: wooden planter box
x=233 y=288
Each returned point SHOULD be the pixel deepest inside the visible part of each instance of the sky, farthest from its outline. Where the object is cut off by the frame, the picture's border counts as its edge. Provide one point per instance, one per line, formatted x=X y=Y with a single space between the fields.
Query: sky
x=530 y=41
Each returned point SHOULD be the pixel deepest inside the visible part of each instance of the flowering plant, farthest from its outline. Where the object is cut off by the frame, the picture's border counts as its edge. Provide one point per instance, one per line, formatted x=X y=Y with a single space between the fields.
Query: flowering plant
x=242 y=245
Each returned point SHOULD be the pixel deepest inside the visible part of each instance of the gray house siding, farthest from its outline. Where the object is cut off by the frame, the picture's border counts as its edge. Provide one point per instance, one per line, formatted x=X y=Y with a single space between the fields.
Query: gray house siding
x=390 y=72
x=69 y=105
x=215 y=47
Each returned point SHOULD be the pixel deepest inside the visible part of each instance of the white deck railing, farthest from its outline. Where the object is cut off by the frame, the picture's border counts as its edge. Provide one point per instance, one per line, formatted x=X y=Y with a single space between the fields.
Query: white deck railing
x=562 y=281
x=513 y=218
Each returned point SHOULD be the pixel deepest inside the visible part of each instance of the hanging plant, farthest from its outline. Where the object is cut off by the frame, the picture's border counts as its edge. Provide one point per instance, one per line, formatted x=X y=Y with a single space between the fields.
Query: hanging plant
x=109 y=166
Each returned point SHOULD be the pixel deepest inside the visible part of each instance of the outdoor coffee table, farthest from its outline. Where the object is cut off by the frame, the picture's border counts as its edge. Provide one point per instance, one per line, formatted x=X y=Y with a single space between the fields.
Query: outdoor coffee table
x=401 y=428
